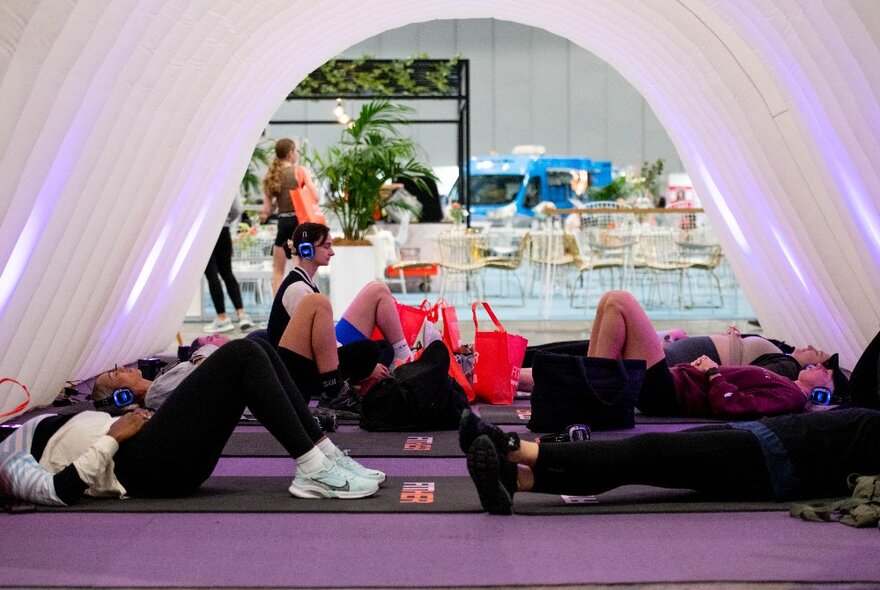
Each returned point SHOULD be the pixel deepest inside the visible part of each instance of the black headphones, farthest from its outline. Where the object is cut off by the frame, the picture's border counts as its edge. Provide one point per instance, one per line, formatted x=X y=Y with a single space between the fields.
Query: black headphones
x=116 y=401
x=305 y=249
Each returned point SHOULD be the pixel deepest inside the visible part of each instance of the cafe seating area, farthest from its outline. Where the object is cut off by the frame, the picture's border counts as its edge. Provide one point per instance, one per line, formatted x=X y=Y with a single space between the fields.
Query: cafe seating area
x=557 y=269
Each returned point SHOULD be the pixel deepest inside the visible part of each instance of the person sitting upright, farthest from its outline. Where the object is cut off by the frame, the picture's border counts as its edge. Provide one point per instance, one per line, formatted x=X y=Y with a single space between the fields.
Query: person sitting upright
x=373 y=307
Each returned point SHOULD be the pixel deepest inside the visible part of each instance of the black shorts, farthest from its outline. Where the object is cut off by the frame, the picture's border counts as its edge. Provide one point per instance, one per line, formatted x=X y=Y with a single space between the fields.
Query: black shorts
x=286 y=226
x=657 y=397
x=303 y=371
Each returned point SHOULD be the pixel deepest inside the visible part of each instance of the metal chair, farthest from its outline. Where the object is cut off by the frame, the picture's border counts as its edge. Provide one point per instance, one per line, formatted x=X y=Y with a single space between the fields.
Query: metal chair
x=548 y=253
x=704 y=257
x=510 y=265
x=252 y=266
x=462 y=262
x=660 y=255
x=598 y=250
x=605 y=220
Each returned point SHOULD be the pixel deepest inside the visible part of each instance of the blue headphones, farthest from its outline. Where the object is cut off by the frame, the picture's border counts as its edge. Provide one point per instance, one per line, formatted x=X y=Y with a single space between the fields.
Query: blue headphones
x=822 y=396
x=113 y=403
x=305 y=249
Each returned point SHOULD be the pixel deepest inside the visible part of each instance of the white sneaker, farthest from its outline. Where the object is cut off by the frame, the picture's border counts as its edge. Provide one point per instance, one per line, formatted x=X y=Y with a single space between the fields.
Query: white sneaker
x=219 y=326
x=356 y=468
x=245 y=322
x=332 y=482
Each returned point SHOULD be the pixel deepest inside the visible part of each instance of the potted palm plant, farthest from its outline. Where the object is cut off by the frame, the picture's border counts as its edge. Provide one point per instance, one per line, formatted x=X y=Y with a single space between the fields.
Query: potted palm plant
x=370 y=153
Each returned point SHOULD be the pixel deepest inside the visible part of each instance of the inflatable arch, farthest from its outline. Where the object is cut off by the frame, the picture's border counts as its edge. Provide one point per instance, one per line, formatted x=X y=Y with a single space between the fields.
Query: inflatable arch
x=125 y=127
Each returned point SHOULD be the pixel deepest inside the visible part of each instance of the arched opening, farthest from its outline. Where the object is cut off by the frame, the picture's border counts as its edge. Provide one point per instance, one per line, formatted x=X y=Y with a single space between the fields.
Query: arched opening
x=147 y=118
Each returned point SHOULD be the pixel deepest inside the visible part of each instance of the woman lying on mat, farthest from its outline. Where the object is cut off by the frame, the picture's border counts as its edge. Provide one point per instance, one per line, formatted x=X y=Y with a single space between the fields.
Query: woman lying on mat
x=729 y=349
x=373 y=307
x=622 y=330
x=780 y=458
x=172 y=451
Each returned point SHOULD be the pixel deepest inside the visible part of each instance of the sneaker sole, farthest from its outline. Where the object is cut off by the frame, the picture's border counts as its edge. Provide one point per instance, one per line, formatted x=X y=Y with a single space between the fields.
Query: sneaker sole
x=342 y=414
x=313 y=492
x=482 y=465
x=467 y=430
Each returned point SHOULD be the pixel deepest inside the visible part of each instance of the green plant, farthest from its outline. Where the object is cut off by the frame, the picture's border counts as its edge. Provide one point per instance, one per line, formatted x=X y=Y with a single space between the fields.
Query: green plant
x=370 y=153
x=649 y=180
x=618 y=188
x=250 y=183
x=412 y=76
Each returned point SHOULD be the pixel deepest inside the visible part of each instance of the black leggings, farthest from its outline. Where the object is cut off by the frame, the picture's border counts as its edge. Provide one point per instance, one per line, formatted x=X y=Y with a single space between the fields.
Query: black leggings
x=179 y=447
x=220 y=263
x=717 y=460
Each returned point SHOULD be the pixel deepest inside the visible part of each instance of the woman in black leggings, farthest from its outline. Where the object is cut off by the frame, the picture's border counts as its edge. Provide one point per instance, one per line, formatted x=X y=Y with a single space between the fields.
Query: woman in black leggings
x=220 y=266
x=779 y=458
x=173 y=451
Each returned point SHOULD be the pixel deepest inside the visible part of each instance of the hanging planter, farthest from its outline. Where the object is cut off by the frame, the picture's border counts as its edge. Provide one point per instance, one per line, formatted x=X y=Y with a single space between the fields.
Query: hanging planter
x=413 y=76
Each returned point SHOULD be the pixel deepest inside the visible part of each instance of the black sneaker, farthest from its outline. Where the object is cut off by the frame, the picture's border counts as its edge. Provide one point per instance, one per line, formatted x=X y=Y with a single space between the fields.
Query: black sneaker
x=326 y=418
x=493 y=476
x=471 y=427
x=345 y=403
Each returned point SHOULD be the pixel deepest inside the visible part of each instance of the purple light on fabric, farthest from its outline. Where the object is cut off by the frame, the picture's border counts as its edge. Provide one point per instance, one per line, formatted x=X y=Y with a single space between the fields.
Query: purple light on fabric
x=149 y=264
x=723 y=209
x=866 y=214
x=18 y=260
x=215 y=188
x=799 y=86
x=792 y=261
x=183 y=252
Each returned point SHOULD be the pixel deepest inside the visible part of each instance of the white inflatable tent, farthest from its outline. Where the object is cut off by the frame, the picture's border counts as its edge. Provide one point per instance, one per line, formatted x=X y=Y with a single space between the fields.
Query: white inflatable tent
x=125 y=126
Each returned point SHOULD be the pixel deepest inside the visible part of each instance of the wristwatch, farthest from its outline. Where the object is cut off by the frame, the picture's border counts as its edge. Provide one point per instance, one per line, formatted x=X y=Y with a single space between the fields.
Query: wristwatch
x=712 y=371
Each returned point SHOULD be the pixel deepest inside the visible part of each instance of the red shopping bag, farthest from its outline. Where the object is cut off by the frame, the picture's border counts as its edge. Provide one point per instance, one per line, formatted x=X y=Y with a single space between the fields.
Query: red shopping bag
x=451 y=331
x=305 y=204
x=411 y=320
x=499 y=357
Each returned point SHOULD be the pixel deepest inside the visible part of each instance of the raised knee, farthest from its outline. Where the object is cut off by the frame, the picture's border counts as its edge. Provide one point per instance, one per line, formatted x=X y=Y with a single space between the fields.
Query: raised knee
x=377 y=290
x=620 y=299
x=316 y=302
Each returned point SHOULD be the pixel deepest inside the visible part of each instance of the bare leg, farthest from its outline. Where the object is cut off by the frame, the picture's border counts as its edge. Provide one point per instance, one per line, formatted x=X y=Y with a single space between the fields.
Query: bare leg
x=526 y=381
x=622 y=330
x=310 y=332
x=374 y=307
x=279 y=261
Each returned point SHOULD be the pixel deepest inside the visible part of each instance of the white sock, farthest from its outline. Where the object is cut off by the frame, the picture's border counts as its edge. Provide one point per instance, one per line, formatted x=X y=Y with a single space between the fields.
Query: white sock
x=330 y=450
x=402 y=351
x=313 y=461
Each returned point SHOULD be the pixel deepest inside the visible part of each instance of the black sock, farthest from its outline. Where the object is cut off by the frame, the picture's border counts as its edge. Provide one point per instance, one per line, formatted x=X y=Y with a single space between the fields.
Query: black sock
x=331 y=383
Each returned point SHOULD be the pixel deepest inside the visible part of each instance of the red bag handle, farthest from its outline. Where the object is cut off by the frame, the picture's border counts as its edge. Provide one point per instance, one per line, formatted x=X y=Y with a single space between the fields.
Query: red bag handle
x=23 y=405
x=434 y=312
x=488 y=309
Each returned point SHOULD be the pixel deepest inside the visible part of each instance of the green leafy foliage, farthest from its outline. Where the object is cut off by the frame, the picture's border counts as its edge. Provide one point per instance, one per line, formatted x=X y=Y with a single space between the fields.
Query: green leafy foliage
x=250 y=183
x=650 y=177
x=412 y=76
x=370 y=153
x=618 y=188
